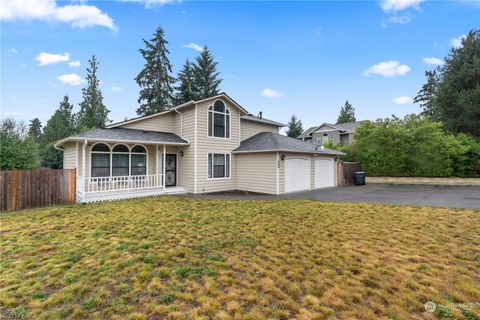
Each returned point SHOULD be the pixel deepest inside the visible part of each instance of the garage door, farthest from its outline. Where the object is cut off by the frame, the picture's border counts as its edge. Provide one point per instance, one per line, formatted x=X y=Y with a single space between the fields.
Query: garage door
x=297 y=174
x=324 y=173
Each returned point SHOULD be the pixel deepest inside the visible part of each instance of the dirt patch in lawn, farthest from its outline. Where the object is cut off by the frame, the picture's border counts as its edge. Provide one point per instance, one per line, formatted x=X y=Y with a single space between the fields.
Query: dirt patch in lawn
x=426 y=181
x=184 y=258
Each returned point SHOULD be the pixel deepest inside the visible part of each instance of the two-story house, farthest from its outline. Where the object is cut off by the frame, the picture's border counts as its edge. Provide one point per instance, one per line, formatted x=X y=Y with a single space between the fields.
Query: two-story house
x=211 y=145
x=342 y=133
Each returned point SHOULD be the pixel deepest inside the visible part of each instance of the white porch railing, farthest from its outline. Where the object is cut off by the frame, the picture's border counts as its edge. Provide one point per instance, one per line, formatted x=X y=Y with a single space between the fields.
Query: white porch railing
x=118 y=183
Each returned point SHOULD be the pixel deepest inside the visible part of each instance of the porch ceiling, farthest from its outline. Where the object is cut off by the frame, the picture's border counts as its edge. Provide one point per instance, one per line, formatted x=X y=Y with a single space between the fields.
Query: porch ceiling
x=127 y=136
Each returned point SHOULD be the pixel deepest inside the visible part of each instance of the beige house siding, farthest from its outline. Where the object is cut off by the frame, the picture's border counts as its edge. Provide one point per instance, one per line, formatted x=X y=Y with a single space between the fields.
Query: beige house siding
x=256 y=172
x=251 y=128
x=163 y=123
x=206 y=144
x=186 y=164
x=70 y=155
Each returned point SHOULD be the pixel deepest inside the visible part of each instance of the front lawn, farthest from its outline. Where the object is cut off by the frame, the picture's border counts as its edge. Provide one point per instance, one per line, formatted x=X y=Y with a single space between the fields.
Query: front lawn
x=181 y=258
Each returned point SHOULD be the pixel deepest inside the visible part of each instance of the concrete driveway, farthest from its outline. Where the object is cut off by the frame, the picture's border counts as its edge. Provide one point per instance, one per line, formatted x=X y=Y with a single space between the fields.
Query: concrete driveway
x=421 y=195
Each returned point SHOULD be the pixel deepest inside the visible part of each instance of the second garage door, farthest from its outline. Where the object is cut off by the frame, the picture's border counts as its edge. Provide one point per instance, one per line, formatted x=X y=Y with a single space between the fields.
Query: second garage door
x=324 y=173
x=297 y=174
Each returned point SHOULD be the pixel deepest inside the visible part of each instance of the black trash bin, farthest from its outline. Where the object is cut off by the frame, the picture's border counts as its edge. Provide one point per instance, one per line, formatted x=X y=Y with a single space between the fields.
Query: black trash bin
x=360 y=178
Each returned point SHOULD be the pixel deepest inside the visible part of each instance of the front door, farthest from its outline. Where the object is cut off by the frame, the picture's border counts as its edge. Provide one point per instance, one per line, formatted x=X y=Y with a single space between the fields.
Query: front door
x=171 y=170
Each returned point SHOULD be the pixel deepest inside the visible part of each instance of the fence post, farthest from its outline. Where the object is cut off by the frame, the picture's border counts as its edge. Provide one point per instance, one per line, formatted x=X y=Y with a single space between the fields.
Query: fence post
x=14 y=190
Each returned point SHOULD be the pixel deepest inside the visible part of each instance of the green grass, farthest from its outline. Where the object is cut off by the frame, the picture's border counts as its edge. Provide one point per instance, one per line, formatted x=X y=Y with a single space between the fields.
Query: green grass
x=179 y=258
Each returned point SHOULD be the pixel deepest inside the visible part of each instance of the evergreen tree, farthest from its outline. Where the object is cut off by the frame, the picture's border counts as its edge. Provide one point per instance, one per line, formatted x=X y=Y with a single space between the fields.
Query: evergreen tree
x=59 y=126
x=452 y=94
x=207 y=82
x=426 y=95
x=17 y=149
x=155 y=80
x=295 y=127
x=93 y=113
x=35 y=129
x=185 y=89
x=347 y=113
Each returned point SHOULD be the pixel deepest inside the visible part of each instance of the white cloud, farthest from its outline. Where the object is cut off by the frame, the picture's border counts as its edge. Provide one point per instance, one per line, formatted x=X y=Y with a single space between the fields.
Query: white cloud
x=116 y=89
x=457 y=42
x=45 y=58
x=404 y=19
x=194 y=46
x=433 y=61
x=388 y=69
x=403 y=100
x=13 y=50
x=77 y=15
x=153 y=3
x=399 y=5
x=72 y=79
x=74 y=64
x=270 y=93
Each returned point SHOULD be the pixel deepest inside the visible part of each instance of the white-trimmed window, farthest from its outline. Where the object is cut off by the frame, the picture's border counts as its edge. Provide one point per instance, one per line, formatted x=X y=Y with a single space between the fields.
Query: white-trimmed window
x=120 y=160
x=218 y=120
x=218 y=165
x=138 y=161
x=100 y=160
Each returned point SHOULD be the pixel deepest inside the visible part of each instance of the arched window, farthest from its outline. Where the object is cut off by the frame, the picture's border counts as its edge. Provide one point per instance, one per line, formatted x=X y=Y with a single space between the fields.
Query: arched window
x=218 y=120
x=324 y=138
x=120 y=160
x=100 y=160
x=138 y=161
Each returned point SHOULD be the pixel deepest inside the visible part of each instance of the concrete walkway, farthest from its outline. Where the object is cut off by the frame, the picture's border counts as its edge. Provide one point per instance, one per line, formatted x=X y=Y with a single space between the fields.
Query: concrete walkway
x=421 y=195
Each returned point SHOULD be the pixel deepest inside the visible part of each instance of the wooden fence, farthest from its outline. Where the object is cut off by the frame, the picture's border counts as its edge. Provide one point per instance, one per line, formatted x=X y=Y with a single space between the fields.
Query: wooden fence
x=22 y=189
x=346 y=172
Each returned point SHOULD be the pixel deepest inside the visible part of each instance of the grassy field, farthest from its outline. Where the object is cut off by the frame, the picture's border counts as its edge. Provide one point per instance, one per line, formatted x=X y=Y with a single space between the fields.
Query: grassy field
x=179 y=258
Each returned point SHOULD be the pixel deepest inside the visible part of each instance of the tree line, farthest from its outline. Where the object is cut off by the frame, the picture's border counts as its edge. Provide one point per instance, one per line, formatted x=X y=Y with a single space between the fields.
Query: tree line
x=32 y=147
x=444 y=139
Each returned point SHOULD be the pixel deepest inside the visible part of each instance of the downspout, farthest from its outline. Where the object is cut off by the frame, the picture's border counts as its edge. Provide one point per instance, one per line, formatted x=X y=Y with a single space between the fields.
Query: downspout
x=181 y=122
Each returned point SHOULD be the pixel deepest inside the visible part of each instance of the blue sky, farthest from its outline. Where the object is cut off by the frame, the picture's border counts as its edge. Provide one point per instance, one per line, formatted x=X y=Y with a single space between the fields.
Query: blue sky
x=281 y=58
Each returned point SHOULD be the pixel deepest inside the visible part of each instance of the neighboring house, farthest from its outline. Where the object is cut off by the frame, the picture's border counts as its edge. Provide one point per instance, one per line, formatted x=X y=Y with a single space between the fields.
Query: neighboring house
x=211 y=145
x=342 y=133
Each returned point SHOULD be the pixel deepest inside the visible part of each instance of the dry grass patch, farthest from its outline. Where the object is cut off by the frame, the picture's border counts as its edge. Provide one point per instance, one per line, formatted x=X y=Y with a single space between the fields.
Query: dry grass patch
x=178 y=258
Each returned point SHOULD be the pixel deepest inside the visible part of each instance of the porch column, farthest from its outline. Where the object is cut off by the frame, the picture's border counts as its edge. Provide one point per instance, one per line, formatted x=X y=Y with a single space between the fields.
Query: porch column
x=164 y=164
x=156 y=165
x=84 y=173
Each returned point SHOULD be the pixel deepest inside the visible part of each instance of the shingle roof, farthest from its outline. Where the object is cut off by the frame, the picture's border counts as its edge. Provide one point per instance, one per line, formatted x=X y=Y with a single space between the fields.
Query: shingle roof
x=262 y=120
x=127 y=135
x=307 y=132
x=270 y=141
x=350 y=126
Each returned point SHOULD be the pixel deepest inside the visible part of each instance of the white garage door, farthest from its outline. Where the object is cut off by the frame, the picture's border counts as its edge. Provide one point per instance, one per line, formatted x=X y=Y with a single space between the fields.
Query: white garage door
x=297 y=174
x=324 y=173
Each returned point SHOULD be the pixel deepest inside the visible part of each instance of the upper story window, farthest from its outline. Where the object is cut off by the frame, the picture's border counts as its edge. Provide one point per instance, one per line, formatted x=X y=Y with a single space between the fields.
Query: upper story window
x=218 y=120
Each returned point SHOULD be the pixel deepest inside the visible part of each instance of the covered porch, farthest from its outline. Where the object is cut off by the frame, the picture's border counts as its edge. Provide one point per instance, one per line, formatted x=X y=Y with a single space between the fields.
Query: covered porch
x=113 y=164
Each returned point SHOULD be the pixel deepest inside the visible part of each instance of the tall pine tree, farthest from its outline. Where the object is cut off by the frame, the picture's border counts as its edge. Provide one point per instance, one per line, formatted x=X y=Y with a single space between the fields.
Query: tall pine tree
x=185 y=89
x=207 y=82
x=295 y=127
x=347 y=113
x=155 y=79
x=426 y=95
x=59 y=126
x=35 y=129
x=93 y=113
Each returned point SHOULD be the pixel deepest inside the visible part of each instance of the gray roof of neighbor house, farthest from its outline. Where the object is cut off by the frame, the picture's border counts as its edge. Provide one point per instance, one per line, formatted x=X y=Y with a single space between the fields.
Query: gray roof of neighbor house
x=262 y=120
x=126 y=135
x=307 y=132
x=270 y=141
x=348 y=127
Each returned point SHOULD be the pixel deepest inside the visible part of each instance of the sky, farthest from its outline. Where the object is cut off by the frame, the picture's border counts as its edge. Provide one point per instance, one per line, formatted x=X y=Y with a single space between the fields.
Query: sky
x=279 y=57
